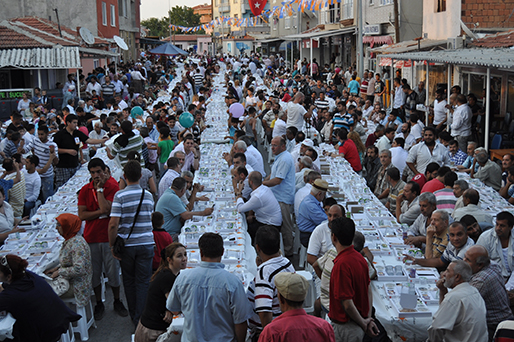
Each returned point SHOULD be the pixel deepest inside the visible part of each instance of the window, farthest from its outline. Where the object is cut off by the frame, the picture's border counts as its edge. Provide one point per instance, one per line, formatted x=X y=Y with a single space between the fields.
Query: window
x=287 y=23
x=104 y=14
x=371 y=2
x=440 y=6
x=386 y=2
x=113 y=15
x=122 y=8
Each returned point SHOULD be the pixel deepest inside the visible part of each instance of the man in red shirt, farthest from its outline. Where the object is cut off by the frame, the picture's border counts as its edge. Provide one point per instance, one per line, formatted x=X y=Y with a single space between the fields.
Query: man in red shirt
x=430 y=173
x=438 y=182
x=350 y=294
x=294 y=324
x=94 y=204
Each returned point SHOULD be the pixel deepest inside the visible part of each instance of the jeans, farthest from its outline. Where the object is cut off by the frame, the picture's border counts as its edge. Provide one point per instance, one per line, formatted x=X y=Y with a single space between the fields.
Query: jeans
x=136 y=270
x=27 y=207
x=47 y=188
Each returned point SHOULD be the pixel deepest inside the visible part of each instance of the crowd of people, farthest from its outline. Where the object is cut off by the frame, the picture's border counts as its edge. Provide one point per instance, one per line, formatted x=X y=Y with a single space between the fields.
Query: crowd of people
x=133 y=225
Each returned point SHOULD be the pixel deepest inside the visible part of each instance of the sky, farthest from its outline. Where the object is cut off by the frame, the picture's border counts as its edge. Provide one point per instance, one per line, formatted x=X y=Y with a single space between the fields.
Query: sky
x=159 y=8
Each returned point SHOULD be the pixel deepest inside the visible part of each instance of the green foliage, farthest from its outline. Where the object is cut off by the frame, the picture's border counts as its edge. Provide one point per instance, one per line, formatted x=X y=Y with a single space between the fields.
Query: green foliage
x=180 y=16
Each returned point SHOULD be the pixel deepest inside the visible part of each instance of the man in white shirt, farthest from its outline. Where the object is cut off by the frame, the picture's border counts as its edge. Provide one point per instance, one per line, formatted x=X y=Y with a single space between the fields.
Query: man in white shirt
x=121 y=103
x=97 y=133
x=426 y=152
x=93 y=85
x=296 y=113
x=320 y=241
x=462 y=313
x=384 y=143
x=440 y=116
x=305 y=165
x=253 y=156
x=399 y=155
x=173 y=172
x=32 y=183
x=398 y=94
x=309 y=178
x=262 y=202
x=471 y=199
x=280 y=125
x=407 y=137
x=461 y=123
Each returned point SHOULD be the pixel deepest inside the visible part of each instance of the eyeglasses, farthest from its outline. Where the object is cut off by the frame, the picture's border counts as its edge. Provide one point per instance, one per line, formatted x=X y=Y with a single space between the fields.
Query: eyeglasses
x=4 y=262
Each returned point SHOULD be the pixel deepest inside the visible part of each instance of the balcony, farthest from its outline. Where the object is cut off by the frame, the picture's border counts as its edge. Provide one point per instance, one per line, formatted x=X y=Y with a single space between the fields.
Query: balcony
x=225 y=7
x=331 y=16
x=264 y=28
x=347 y=10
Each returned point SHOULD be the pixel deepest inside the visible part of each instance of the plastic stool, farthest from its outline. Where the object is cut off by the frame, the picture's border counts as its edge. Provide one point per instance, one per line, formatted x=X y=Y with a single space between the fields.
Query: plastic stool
x=68 y=336
x=308 y=304
x=83 y=324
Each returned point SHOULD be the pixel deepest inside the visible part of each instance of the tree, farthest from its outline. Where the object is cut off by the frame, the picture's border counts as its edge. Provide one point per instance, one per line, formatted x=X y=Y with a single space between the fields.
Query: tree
x=180 y=16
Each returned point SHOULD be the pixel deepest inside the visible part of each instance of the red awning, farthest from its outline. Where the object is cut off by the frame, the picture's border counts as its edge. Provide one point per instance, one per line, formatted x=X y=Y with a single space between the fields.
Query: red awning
x=380 y=40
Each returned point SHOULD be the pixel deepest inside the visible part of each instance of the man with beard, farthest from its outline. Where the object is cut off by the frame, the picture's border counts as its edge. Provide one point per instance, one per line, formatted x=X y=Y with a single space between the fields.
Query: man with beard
x=371 y=164
x=405 y=134
x=428 y=151
x=462 y=313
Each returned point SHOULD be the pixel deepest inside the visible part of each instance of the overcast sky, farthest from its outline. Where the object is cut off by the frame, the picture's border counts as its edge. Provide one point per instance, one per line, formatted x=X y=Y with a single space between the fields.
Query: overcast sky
x=159 y=8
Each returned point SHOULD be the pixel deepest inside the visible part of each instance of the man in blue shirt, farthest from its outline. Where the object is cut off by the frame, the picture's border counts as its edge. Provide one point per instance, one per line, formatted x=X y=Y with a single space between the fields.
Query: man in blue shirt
x=311 y=214
x=219 y=294
x=282 y=183
x=353 y=86
x=174 y=210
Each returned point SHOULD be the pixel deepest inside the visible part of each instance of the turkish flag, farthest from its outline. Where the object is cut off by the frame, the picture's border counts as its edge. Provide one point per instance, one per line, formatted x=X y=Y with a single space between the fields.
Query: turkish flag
x=257 y=6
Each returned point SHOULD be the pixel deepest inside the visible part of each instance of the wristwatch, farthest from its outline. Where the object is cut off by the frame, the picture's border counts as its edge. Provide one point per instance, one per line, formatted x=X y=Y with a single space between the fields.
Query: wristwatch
x=100 y=190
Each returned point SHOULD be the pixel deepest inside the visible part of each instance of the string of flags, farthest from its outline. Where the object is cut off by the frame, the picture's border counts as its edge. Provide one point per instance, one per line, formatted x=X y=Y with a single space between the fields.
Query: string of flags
x=286 y=9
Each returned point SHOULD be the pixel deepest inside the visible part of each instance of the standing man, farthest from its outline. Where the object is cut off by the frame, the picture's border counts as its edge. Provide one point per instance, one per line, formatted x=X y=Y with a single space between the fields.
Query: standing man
x=462 y=312
x=68 y=140
x=220 y=295
x=191 y=151
x=350 y=294
x=131 y=220
x=422 y=154
x=461 y=125
x=282 y=183
x=173 y=172
x=296 y=113
x=398 y=95
x=94 y=204
x=45 y=149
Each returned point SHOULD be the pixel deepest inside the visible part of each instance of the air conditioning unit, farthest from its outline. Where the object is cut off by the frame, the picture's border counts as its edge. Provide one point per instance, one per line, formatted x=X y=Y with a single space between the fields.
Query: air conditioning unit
x=455 y=43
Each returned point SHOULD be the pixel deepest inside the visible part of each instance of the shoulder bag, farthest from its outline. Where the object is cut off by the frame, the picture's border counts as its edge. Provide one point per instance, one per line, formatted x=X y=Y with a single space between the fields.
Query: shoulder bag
x=118 y=248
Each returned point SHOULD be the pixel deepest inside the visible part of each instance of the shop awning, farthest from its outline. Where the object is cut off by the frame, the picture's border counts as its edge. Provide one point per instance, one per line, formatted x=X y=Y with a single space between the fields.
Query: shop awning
x=98 y=52
x=271 y=40
x=57 y=57
x=320 y=34
x=372 y=40
x=409 y=45
x=492 y=58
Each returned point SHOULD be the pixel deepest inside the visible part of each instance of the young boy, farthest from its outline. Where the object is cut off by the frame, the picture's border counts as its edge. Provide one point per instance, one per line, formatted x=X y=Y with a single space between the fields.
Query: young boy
x=174 y=130
x=164 y=147
x=161 y=237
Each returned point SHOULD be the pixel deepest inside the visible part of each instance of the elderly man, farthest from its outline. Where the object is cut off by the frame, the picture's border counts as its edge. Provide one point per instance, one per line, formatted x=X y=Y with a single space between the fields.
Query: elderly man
x=459 y=244
x=309 y=178
x=426 y=152
x=262 y=202
x=253 y=156
x=382 y=187
x=507 y=163
x=294 y=322
x=396 y=189
x=437 y=235
x=417 y=232
x=281 y=182
x=296 y=113
x=305 y=164
x=499 y=242
x=371 y=165
x=471 y=198
x=462 y=312
x=300 y=150
x=487 y=279
x=461 y=123
x=173 y=172
x=174 y=210
x=407 y=203
x=320 y=241
x=489 y=172
x=459 y=186
x=311 y=214
x=153 y=133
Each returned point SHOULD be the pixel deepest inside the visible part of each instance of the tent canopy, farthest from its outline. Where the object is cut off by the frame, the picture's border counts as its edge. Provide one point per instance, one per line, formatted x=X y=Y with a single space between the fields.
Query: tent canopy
x=167 y=49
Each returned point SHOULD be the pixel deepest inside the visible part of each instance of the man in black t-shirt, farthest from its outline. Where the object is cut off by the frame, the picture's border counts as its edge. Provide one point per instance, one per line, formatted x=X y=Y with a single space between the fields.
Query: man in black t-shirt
x=68 y=141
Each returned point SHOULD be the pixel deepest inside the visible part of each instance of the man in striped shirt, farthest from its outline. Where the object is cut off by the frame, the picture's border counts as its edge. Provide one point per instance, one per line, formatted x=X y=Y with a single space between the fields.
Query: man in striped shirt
x=108 y=90
x=44 y=149
x=136 y=261
x=198 y=78
x=262 y=292
x=445 y=198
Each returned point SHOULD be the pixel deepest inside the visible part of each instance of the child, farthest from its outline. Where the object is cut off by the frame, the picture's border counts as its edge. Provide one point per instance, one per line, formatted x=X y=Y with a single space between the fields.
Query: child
x=152 y=148
x=161 y=237
x=164 y=147
x=174 y=130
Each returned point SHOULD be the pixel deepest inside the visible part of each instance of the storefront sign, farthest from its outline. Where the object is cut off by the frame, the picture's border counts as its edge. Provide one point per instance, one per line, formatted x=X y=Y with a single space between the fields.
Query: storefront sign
x=371 y=29
x=14 y=93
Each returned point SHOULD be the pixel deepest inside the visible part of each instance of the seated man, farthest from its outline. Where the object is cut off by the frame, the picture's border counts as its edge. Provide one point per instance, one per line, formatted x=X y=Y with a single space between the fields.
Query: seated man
x=459 y=244
x=436 y=183
x=489 y=172
x=417 y=232
x=445 y=197
x=462 y=312
x=311 y=214
x=305 y=165
x=507 y=191
x=437 y=235
x=240 y=176
x=174 y=210
x=457 y=157
x=407 y=203
x=430 y=173
x=459 y=187
x=499 y=242
x=471 y=198
x=320 y=241
x=487 y=279
x=396 y=189
x=262 y=202
x=472 y=227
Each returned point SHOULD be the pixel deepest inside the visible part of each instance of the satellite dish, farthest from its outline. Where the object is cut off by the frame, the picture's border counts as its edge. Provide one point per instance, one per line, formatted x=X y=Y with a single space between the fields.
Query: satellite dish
x=120 y=42
x=87 y=36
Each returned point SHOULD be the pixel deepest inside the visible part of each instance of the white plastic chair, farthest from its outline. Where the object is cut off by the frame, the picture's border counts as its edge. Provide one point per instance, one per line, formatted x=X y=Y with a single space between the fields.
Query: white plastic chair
x=68 y=336
x=83 y=324
x=308 y=304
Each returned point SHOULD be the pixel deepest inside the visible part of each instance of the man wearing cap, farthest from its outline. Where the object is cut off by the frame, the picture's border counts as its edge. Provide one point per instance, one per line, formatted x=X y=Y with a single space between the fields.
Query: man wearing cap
x=295 y=324
x=310 y=213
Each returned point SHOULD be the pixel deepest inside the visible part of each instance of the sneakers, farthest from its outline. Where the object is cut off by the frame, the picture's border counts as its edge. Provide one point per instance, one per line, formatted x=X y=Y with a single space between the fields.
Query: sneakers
x=99 y=311
x=119 y=308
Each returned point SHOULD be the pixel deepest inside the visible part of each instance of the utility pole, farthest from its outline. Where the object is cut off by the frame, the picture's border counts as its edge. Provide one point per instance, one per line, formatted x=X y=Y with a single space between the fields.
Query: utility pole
x=396 y=22
x=360 y=46
x=58 y=22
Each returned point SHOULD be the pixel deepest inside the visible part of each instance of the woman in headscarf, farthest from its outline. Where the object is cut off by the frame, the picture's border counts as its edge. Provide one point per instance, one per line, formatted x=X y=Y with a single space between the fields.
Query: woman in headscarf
x=74 y=259
x=40 y=315
x=126 y=142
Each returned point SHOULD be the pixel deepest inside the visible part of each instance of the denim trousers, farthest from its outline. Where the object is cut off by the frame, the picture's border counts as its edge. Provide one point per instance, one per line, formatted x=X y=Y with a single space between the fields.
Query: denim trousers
x=47 y=188
x=136 y=270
